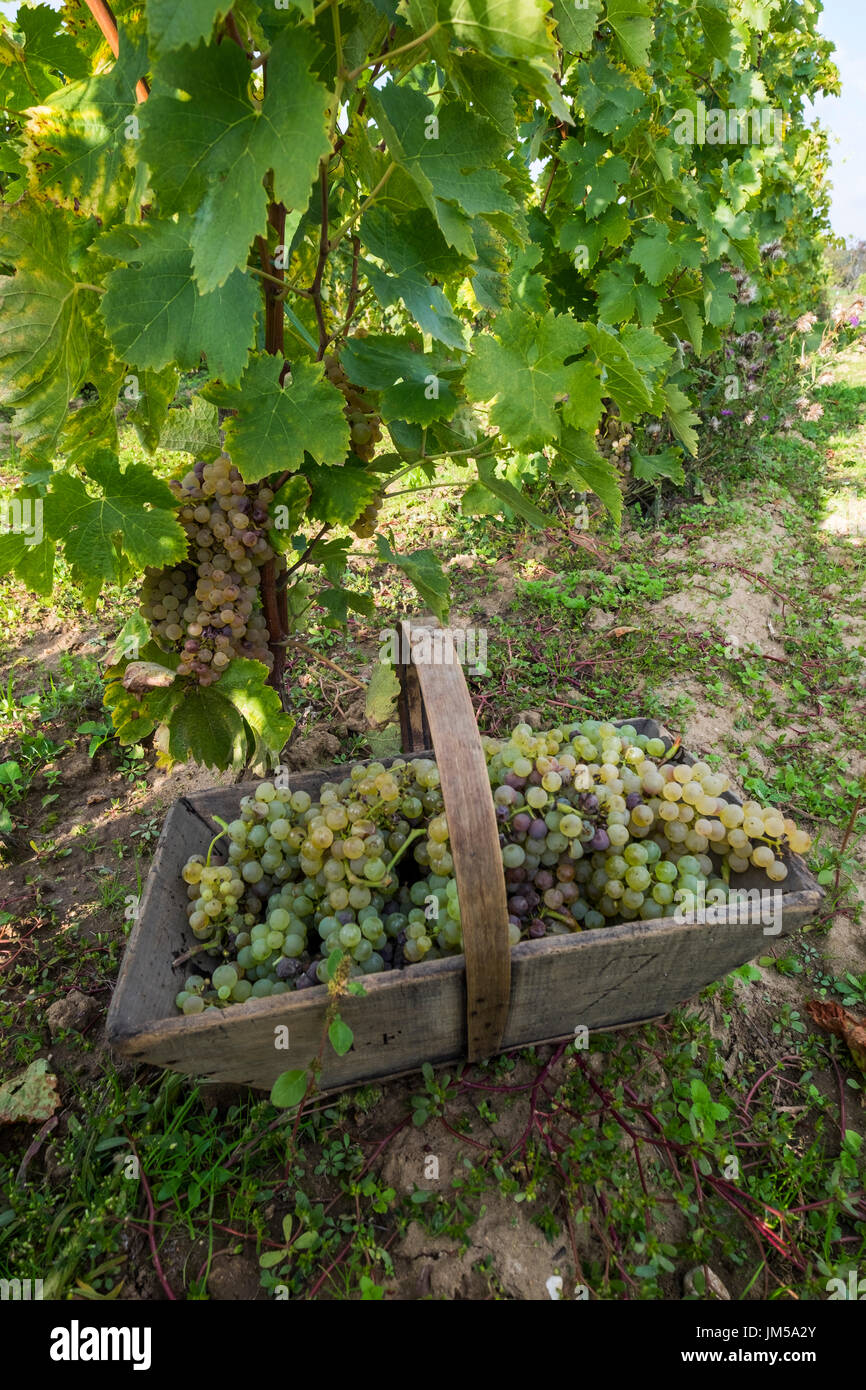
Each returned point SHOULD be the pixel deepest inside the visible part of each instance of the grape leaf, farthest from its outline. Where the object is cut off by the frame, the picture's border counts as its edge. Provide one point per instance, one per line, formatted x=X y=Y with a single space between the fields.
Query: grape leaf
x=94 y=425
x=81 y=143
x=424 y=571
x=204 y=726
x=42 y=43
x=650 y=467
x=591 y=235
x=339 y=603
x=339 y=495
x=274 y=425
x=478 y=500
x=509 y=494
x=287 y=512
x=720 y=295
x=155 y=315
x=32 y=563
x=523 y=373
x=193 y=429
x=135 y=514
x=585 y=467
x=622 y=380
x=450 y=156
x=630 y=21
x=45 y=347
x=409 y=379
x=512 y=28
x=236 y=720
x=157 y=391
x=646 y=349
x=617 y=297
x=609 y=96
x=649 y=303
x=681 y=416
x=383 y=689
x=713 y=15
x=210 y=152
x=408 y=247
x=590 y=170
x=30 y=1097
x=172 y=25
x=575 y=24
x=244 y=685
x=656 y=254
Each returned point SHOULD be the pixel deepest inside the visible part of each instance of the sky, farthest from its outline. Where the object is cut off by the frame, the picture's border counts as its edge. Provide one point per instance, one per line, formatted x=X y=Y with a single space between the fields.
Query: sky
x=844 y=23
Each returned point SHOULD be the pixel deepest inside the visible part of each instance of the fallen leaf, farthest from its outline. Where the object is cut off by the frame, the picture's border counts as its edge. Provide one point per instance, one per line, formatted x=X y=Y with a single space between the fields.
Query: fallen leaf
x=141 y=676
x=31 y=1097
x=382 y=692
x=621 y=631
x=834 y=1019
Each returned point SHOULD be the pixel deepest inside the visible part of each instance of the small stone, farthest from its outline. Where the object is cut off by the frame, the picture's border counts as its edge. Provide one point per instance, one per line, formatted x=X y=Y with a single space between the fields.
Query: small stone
x=714 y=1286
x=75 y=1012
x=461 y=562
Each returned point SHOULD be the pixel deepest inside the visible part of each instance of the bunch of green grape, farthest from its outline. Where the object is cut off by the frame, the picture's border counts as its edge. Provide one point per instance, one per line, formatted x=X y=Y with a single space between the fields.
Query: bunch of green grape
x=208 y=607
x=598 y=824
x=303 y=878
x=365 y=424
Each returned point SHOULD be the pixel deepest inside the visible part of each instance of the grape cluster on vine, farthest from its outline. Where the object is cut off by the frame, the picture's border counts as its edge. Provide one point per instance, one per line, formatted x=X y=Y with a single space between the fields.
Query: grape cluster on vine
x=364 y=423
x=207 y=606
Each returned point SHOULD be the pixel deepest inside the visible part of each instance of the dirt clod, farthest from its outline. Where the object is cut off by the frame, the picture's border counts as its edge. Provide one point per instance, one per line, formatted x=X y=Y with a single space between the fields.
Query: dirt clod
x=76 y=1011
x=234 y=1278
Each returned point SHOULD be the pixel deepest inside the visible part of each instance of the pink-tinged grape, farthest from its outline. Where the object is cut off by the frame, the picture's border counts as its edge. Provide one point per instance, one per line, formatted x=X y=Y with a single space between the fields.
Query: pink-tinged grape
x=799 y=841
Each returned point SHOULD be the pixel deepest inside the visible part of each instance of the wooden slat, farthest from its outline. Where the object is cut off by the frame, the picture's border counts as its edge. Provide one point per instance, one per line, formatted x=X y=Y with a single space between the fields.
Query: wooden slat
x=596 y=979
x=414 y=730
x=474 y=844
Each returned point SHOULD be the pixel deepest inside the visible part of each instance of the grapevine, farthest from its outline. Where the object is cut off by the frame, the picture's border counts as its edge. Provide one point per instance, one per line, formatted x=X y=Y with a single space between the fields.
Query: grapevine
x=380 y=238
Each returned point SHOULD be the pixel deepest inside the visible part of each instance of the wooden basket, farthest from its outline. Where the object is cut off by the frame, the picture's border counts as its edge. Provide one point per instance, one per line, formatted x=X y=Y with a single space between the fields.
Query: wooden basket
x=489 y=1000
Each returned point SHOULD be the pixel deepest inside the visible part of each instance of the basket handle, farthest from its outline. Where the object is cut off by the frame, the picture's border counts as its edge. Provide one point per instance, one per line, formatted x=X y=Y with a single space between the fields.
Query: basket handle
x=442 y=703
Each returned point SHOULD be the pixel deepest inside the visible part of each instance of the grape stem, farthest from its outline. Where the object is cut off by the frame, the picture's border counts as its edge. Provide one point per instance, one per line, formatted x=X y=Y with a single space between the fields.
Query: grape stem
x=385 y=880
x=210 y=848
x=332 y=665
x=195 y=951
x=569 y=921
